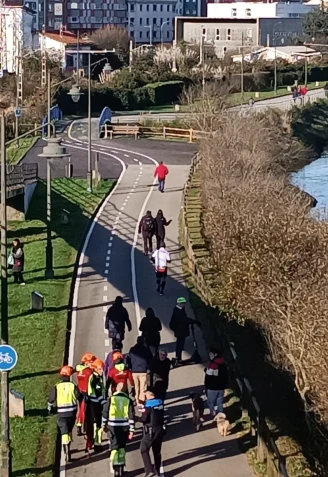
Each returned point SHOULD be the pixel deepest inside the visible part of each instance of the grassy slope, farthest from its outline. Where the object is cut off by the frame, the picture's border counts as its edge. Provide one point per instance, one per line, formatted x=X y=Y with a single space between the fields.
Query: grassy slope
x=40 y=337
x=15 y=154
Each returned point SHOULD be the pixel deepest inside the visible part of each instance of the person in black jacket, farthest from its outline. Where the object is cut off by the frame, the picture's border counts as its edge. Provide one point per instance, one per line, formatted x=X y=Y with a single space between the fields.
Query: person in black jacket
x=138 y=361
x=158 y=374
x=116 y=319
x=150 y=328
x=147 y=227
x=161 y=223
x=216 y=381
x=179 y=324
x=154 y=429
x=17 y=254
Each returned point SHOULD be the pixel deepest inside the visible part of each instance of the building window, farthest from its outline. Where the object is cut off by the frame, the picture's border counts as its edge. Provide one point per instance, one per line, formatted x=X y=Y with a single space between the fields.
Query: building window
x=140 y=34
x=187 y=12
x=161 y=7
x=167 y=34
x=74 y=5
x=140 y=7
x=224 y=49
x=204 y=32
x=161 y=22
x=147 y=21
x=194 y=12
x=155 y=34
x=154 y=21
x=217 y=35
x=147 y=8
x=234 y=12
x=140 y=21
x=154 y=8
x=131 y=7
x=248 y=12
x=229 y=34
x=147 y=34
x=168 y=8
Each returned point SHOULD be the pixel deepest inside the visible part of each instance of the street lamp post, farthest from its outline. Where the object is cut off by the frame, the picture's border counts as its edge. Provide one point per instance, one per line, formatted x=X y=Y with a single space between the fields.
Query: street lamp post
x=53 y=150
x=164 y=23
x=5 y=442
x=275 y=55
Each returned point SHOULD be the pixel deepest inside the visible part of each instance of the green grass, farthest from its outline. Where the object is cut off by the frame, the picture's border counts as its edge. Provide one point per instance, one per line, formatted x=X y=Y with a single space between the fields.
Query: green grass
x=17 y=150
x=235 y=98
x=39 y=338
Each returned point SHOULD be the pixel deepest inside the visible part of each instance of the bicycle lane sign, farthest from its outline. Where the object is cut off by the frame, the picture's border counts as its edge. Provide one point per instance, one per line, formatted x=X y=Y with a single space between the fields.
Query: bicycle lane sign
x=8 y=358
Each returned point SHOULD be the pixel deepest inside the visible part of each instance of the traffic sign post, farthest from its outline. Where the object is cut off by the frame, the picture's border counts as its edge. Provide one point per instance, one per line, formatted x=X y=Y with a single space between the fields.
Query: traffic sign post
x=8 y=358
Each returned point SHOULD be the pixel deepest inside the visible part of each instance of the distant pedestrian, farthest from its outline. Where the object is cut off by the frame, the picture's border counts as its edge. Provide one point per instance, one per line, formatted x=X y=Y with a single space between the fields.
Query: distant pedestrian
x=161 y=258
x=17 y=259
x=139 y=359
x=117 y=318
x=147 y=227
x=158 y=374
x=216 y=381
x=179 y=324
x=161 y=223
x=251 y=102
x=161 y=172
x=150 y=328
x=294 y=94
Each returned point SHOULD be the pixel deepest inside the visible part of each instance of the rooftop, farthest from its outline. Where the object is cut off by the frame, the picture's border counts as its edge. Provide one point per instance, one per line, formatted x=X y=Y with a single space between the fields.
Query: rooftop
x=67 y=38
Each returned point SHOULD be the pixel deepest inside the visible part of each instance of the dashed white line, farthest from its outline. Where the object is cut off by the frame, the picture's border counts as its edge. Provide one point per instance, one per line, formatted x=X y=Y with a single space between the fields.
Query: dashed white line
x=107 y=264
x=106 y=272
x=122 y=208
x=107 y=343
x=111 y=240
x=105 y=287
x=105 y=310
x=140 y=163
x=136 y=160
x=126 y=155
x=105 y=298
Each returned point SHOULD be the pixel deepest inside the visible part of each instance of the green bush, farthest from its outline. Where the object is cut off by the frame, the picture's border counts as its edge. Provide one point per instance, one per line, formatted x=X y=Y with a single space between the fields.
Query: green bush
x=164 y=93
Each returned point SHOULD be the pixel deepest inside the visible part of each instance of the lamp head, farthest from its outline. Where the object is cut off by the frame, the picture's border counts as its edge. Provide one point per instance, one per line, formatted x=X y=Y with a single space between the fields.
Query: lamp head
x=75 y=93
x=107 y=68
x=54 y=149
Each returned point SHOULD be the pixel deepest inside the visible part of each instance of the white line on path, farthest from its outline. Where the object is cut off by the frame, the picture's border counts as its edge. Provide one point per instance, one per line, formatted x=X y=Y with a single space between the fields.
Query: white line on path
x=105 y=309
x=136 y=160
x=107 y=343
x=126 y=155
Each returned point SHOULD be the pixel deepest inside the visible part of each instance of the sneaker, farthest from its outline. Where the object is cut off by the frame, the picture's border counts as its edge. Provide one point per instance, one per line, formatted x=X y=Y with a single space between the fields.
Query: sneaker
x=161 y=293
x=23 y=283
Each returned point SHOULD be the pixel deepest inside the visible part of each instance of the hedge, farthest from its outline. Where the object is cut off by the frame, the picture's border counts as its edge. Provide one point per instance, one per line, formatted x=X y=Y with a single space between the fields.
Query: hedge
x=154 y=94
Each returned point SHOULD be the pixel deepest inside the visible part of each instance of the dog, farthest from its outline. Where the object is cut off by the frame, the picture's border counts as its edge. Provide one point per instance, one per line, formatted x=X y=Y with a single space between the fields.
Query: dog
x=197 y=405
x=222 y=423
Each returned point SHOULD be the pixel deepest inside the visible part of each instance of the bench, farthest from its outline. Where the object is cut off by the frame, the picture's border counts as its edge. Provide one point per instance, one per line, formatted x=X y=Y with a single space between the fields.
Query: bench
x=122 y=130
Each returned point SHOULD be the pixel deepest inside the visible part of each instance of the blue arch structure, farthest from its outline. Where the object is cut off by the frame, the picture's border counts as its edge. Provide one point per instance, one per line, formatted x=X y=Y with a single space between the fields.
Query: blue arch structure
x=105 y=116
x=56 y=114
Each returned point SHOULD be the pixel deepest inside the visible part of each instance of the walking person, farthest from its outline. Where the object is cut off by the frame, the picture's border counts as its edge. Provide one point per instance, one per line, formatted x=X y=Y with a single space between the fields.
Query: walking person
x=64 y=397
x=109 y=363
x=154 y=430
x=161 y=172
x=158 y=374
x=97 y=400
x=17 y=254
x=161 y=223
x=139 y=358
x=216 y=381
x=119 y=373
x=147 y=227
x=150 y=328
x=83 y=374
x=161 y=258
x=179 y=324
x=117 y=318
x=251 y=102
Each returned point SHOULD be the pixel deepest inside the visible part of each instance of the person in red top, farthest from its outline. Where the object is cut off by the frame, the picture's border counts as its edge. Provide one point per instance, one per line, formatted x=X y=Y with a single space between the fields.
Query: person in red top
x=161 y=172
x=119 y=373
x=83 y=373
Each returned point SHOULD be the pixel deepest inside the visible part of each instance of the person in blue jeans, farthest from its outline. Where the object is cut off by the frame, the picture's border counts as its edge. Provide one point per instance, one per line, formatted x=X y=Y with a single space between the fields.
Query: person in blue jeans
x=216 y=381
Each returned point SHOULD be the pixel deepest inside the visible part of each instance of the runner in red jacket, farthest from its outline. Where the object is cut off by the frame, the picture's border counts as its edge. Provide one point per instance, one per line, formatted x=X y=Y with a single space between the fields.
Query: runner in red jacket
x=161 y=172
x=119 y=373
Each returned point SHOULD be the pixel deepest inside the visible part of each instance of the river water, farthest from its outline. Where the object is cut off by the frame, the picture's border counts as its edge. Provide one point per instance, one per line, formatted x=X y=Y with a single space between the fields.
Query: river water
x=313 y=179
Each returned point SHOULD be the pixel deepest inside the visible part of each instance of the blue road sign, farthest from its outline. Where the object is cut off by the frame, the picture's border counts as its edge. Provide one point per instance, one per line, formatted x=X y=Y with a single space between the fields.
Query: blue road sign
x=18 y=113
x=8 y=358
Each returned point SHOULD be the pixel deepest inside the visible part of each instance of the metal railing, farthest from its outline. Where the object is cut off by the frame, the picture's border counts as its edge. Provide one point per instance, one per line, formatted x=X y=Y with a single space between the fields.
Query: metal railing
x=266 y=448
x=165 y=132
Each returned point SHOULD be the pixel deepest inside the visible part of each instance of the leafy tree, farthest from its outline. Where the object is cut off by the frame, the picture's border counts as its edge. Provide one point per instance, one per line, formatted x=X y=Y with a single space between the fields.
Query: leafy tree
x=111 y=37
x=315 y=23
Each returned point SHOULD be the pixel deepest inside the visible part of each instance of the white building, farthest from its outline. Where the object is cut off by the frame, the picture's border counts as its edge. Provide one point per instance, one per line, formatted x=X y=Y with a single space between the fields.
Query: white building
x=17 y=35
x=261 y=10
x=292 y=54
x=152 y=22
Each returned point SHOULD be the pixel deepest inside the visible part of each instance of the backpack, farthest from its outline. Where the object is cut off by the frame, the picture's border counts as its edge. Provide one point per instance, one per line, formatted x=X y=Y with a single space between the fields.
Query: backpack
x=148 y=224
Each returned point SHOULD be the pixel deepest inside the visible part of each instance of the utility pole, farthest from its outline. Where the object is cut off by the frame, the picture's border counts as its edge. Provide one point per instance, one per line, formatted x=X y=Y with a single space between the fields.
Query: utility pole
x=130 y=55
x=202 y=59
x=43 y=58
x=242 y=67
x=306 y=71
x=89 y=174
x=49 y=102
x=18 y=34
x=5 y=442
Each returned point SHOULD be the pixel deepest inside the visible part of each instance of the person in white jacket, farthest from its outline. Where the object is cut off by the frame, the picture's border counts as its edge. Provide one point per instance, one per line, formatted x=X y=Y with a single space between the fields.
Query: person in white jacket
x=161 y=258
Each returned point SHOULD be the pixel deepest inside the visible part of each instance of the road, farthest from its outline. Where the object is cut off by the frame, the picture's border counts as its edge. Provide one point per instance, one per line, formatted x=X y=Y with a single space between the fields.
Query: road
x=112 y=263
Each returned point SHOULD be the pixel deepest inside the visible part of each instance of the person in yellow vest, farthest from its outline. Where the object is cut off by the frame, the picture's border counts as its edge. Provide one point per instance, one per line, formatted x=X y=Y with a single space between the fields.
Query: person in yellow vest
x=118 y=420
x=64 y=397
x=96 y=399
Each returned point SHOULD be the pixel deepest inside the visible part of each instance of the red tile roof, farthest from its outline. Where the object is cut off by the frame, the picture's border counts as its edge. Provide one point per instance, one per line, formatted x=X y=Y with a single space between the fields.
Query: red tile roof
x=67 y=38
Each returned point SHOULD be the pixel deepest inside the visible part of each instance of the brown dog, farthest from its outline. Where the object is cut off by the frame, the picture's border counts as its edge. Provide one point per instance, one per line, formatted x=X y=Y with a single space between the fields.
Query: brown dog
x=197 y=405
x=222 y=423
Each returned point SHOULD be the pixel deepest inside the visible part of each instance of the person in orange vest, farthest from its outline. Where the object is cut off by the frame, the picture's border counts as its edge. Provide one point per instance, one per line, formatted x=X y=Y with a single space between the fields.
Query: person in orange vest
x=83 y=373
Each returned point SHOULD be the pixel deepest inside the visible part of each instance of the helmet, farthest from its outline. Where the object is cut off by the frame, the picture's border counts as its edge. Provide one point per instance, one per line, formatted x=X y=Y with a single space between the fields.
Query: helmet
x=88 y=358
x=181 y=300
x=66 y=371
x=117 y=356
x=97 y=365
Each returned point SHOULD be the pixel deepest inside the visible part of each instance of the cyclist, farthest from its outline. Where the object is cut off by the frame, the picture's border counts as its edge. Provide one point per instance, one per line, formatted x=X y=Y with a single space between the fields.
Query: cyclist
x=118 y=421
x=83 y=373
x=117 y=318
x=96 y=401
x=64 y=396
x=120 y=373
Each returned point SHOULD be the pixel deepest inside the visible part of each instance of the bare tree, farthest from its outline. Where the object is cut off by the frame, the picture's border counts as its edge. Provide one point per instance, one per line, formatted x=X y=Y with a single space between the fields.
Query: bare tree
x=111 y=37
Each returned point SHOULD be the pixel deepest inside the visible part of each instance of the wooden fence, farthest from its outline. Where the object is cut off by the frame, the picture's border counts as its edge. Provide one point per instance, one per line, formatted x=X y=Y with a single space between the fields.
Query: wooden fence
x=191 y=135
x=267 y=451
